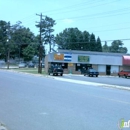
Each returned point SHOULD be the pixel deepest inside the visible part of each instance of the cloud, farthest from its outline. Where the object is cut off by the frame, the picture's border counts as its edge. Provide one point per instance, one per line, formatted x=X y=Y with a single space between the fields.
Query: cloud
x=68 y=21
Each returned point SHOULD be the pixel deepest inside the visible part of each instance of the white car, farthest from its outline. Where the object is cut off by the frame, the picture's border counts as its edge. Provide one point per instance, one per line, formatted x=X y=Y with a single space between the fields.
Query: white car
x=22 y=65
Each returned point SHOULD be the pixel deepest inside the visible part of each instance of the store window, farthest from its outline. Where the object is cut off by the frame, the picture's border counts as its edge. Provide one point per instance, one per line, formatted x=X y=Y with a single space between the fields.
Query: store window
x=79 y=67
x=63 y=65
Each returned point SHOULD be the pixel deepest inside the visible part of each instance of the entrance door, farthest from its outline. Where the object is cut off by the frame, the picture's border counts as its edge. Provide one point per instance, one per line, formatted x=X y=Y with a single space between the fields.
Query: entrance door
x=108 y=70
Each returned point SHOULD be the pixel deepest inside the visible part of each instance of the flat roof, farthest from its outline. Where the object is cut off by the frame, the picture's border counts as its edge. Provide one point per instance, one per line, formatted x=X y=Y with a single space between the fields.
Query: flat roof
x=91 y=52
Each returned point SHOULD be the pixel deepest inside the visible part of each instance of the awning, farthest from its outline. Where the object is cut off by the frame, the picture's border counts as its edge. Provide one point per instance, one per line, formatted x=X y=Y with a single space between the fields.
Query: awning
x=126 y=60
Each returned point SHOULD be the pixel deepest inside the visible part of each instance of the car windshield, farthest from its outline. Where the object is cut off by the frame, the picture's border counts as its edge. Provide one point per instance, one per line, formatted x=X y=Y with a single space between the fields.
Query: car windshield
x=92 y=70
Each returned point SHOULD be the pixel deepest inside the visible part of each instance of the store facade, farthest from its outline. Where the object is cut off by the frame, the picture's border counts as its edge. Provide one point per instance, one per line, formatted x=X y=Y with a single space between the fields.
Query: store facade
x=73 y=61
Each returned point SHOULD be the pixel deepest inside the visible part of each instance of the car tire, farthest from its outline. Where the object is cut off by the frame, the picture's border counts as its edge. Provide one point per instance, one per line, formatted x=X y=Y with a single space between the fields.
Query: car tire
x=53 y=74
x=125 y=76
x=119 y=76
x=61 y=74
x=96 y=75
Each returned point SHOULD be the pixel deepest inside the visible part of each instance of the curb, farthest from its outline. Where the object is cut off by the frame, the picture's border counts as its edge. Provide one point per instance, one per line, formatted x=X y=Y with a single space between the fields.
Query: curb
x=94 y=84
x=78 y=81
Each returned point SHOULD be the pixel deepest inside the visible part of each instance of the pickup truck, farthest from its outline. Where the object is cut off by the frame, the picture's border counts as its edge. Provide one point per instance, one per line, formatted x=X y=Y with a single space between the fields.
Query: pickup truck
x=124 y=74
x=55 y=70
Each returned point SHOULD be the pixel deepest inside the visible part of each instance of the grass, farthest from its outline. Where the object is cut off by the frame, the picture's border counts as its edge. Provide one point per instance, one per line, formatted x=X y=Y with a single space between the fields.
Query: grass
x=29 y=70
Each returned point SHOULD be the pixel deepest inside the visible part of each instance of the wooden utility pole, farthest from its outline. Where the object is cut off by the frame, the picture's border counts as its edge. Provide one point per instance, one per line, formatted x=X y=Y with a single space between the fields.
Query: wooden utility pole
x=8 y=41
x=40 y=46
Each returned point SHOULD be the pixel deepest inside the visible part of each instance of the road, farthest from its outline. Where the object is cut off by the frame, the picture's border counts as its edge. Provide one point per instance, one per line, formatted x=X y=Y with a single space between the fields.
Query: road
x=41 y=103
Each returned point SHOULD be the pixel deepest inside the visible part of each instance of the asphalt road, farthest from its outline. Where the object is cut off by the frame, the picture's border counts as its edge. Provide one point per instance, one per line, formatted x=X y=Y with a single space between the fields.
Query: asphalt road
x=113 y=80
x=30 y=102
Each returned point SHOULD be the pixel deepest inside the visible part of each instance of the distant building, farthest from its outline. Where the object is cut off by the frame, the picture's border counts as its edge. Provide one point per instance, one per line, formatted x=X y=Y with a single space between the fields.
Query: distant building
x=73 y=61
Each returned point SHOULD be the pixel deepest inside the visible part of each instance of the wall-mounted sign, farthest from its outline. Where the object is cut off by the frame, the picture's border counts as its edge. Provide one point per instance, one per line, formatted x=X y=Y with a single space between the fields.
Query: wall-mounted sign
x=67 y=57
x=83 y=58
x=58 y=56
x=70 y=64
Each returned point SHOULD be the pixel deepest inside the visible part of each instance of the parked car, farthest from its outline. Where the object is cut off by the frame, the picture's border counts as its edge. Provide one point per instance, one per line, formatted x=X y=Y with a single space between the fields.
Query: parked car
x=55 y=70
x=91 y=72
x=31 y=65
x=22 y=65
x=43 y=65
x=124 y=73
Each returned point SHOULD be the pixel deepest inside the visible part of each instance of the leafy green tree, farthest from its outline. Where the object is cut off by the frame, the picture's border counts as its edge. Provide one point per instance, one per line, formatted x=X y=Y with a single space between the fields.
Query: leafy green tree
x=116 y=47
x=29 y=52
x=21 y=37
x=74 y=39
x=105 y=47
x=3 y=39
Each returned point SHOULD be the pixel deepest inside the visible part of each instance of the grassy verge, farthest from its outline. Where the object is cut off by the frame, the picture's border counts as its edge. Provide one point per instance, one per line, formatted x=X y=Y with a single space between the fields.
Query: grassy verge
x=29 y=70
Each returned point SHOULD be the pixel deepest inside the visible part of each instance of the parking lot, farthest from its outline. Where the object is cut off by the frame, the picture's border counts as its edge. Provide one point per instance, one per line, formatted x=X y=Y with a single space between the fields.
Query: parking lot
x=112 y=80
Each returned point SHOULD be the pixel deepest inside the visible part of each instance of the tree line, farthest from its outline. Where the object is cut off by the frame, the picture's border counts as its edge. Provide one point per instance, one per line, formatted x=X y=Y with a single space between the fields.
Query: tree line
x=21 y=42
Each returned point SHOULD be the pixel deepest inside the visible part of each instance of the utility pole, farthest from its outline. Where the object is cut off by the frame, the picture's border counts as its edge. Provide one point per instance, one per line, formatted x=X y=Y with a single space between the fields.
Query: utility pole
x=40 y=46
x=8 y=41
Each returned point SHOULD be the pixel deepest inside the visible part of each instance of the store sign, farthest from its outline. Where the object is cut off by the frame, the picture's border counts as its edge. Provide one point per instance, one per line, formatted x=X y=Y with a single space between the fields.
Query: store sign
x=58 y=56
x=83 y=58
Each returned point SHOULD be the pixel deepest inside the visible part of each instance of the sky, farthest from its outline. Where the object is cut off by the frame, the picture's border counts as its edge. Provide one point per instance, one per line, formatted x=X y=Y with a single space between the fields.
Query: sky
x=108 y=19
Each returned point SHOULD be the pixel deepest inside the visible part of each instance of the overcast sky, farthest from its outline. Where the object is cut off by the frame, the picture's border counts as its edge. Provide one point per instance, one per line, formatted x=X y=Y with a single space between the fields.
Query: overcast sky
x=108 y=19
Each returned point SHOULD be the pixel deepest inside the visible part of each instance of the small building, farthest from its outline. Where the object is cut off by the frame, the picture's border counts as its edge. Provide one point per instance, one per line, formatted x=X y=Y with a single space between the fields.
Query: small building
x=73 y=61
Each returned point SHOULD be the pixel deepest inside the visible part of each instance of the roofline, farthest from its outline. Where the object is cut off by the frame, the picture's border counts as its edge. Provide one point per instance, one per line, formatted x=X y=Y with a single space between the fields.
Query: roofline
x=92 y=52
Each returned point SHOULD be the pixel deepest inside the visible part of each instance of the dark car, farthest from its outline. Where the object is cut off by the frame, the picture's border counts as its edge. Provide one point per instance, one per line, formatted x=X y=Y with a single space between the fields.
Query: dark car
x=91 y=72
x=55 y=70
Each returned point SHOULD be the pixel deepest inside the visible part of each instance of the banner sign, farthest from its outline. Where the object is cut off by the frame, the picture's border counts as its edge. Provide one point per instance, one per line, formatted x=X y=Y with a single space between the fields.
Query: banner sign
x=67 y=57
x=83 y=58
x=58 y=56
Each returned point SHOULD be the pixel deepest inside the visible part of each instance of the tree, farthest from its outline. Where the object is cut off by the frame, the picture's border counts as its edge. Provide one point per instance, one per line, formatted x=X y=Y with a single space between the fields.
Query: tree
x=86 y=40
x=29 y=52
x=105 y=47
x=3 y=39
x=21 y=37
x=98 y=45
x=116 y=47
x=73 y=38
x=92 y=42
x=46 y=26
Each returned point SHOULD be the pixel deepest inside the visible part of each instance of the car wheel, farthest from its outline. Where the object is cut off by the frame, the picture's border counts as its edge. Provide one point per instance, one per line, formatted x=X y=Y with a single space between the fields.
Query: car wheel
x=96 y=75
x=125 y=76
x=118 y=75
x=61 y=74
x=53 y=74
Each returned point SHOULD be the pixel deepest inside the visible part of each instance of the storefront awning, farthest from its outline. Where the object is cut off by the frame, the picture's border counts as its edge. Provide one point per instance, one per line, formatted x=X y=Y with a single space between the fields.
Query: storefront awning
x=126 y=60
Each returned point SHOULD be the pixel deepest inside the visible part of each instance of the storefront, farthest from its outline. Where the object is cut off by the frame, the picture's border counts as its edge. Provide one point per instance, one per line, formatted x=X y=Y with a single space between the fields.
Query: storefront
x=75 y=61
